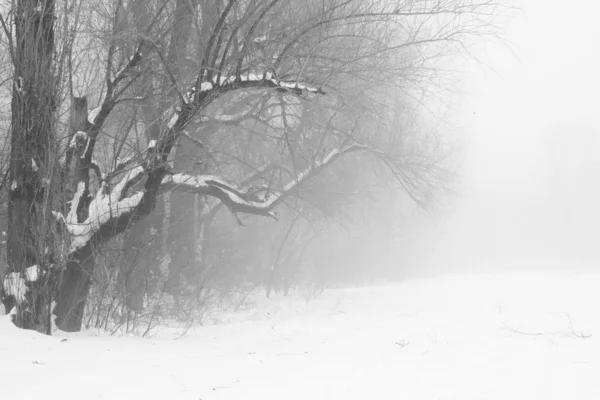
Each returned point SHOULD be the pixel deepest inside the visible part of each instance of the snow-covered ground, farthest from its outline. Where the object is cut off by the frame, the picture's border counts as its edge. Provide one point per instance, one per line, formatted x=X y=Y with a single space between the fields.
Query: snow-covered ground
x=497 y=336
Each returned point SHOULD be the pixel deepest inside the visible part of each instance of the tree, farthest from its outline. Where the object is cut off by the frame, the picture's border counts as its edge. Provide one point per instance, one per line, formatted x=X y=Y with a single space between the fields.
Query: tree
x=178 y=74
x=32 y=166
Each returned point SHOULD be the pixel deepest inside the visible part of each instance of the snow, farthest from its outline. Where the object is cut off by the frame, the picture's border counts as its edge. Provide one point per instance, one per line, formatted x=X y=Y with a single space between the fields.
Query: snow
x=222 y=80
x=287 y=84
x=19 y=84
x=58 y=216
x=78 y=134
x=101 y=209
x=72 y=215
x=32 y=273
x=260 y=39
x=193 y=181
x=495 y=337
x=331 y=154
x=257 y=77
x=14 y=285
x=250 y=76
x=303 y=174
x=93 y=114
x=125 y=159
x=87 y=145
x=205 y=86
x=173 y=121
x=204 y=182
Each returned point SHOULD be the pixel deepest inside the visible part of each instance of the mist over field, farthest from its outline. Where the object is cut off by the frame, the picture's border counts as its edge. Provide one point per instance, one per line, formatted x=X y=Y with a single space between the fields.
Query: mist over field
x=529 y=194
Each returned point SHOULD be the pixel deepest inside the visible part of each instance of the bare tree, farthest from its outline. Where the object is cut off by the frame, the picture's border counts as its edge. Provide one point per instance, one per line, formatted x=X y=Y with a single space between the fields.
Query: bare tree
x=327 y=65
x=31 y=226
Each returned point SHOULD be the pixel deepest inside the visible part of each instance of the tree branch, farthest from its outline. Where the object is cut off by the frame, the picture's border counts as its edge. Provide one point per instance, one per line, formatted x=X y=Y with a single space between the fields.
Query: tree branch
x=248 y=201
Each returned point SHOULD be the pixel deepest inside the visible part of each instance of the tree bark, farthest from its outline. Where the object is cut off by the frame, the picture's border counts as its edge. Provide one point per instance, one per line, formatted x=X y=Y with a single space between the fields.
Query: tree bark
x=30 y=241
x=79 y=268
x=74 y=289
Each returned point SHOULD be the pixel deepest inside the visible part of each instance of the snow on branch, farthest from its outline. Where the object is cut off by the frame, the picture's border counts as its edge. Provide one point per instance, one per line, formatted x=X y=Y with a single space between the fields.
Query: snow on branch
x=104 y=207
x=248 y=200
x=220 y=84
x=418 y=182
x=176 y=118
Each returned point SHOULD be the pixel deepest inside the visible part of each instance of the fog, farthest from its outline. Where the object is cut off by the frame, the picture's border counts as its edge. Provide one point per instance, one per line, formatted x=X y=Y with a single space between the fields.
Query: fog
x=530 y=190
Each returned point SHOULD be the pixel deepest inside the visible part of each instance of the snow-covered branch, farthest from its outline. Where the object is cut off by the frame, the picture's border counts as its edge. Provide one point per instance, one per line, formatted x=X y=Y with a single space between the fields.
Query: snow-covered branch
x=254 y=200
x=104 y=207
x=221 y=84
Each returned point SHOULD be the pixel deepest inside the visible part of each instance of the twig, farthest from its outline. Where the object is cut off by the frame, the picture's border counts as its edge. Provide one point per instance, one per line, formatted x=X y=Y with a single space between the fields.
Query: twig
x=577 y=334
x=521 y=332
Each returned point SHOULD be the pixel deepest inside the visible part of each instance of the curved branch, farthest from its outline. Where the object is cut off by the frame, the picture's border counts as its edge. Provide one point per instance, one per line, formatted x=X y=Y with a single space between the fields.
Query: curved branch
x=247 y=201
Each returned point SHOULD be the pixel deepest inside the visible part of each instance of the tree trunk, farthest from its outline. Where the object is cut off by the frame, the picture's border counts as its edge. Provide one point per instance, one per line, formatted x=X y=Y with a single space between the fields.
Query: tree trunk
x=79 y=268
x=30 y=241
x=74 y=289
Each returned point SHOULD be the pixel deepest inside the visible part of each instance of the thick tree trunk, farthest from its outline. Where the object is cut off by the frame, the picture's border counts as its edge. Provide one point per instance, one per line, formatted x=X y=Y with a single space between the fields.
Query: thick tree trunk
x=30 y=241
x=79 y=269
x=75 y=286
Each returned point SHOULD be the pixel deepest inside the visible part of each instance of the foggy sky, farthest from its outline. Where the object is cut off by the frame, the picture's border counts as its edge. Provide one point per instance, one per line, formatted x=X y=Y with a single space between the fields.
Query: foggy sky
x=532 y=144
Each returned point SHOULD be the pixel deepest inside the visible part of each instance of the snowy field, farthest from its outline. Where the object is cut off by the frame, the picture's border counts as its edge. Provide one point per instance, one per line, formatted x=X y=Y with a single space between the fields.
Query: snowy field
x=503 y=336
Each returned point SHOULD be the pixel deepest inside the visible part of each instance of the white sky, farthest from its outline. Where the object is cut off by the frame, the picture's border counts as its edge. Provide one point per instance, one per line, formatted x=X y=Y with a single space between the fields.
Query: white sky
x=530 y=120
x=554 y=79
